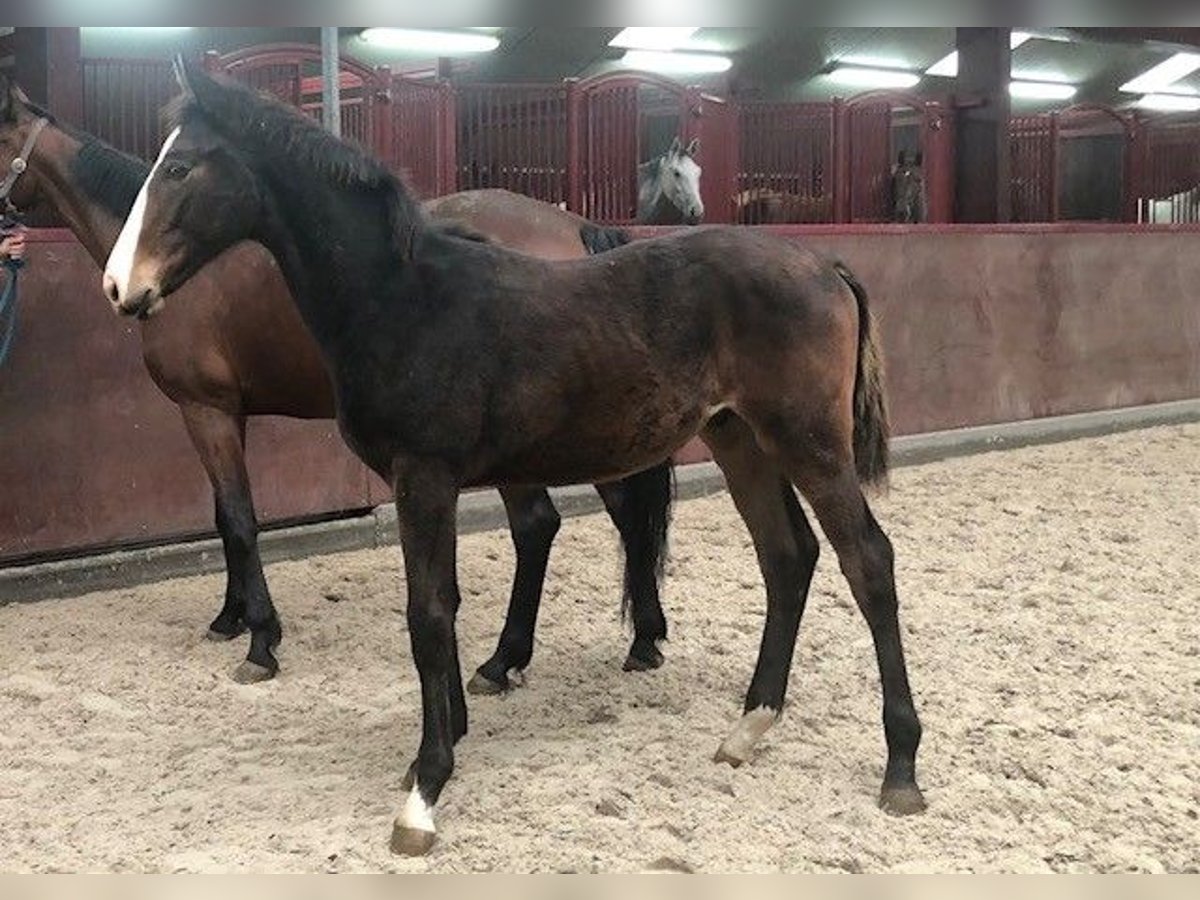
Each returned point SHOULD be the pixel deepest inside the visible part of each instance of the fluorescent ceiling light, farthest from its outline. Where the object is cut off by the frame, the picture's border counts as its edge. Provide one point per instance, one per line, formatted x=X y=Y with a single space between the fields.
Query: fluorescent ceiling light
x=873 y=78
x=657 y=61
x=644 y=38
x=1170 y=103
x=947 y=66
x=874 y=62
x=1041 y=90
x=1164 y=75
x=143 y=28
x=437 y=43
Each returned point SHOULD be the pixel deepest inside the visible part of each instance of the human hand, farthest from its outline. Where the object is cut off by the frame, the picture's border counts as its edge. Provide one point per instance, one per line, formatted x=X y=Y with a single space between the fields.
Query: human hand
x=12 y=246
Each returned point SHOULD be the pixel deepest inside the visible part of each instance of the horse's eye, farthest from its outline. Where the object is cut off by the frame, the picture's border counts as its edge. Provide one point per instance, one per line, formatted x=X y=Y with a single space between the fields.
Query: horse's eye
x=176 y=171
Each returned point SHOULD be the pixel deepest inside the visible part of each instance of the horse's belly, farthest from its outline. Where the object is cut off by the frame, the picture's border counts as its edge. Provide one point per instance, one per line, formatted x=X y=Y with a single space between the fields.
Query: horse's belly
x=594 y=451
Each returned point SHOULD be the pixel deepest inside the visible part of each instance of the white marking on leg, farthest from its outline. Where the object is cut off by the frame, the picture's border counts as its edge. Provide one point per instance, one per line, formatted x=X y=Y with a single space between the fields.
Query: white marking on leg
x=417 y=814
x=739 y=746
x=119 y=268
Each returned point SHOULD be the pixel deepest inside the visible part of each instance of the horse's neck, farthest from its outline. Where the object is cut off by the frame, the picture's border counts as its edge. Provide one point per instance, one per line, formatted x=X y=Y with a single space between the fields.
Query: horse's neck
x=94 y=226
x=649 y=191
x=338 y=282
x=658 y=210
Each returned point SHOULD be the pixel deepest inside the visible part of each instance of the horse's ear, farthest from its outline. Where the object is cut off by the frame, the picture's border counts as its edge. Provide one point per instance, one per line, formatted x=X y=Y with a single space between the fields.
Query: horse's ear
x=693 y=147
x=676 y=145
x=900 y=157
x=917 y=159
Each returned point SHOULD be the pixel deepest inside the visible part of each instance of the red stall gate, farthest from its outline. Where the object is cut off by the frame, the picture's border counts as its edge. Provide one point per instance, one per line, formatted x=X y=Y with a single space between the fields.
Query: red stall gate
x=786 y=170
x=868 y=135
x=717 y=129
x=513 y=136
x=618 y=121
x=1080 y=163
x=1168 y=170
x=833 y=162
x=122 y=99
x=416 y=134
x=1032 y=142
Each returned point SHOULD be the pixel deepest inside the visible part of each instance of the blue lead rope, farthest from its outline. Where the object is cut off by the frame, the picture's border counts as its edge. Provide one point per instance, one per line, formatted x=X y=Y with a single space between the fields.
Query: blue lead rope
x=8 y=308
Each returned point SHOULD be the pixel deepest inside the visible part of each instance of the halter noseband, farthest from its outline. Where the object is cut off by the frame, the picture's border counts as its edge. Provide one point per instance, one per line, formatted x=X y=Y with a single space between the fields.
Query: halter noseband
x=19 y=164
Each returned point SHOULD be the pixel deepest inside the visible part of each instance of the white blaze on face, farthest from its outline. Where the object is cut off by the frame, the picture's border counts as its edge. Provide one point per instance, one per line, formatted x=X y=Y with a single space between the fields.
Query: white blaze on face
x=119 y=267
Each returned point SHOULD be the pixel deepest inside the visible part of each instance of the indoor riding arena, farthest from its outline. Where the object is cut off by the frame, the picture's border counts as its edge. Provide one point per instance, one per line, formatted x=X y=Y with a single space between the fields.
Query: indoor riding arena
x=1017 y=243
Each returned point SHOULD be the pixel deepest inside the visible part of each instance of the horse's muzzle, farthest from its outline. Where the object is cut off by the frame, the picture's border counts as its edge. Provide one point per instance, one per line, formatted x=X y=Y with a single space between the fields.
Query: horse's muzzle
x=140 y=302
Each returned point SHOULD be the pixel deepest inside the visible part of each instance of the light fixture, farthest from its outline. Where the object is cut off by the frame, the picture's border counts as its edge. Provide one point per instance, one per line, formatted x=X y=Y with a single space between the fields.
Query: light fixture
x=947 y=66
x=1164 y=75
x=858 y=76
x=644 y=38
x=681 y=63
x=1041 y=90
x=1170 y=102
x=435 y=43
x=143 y=29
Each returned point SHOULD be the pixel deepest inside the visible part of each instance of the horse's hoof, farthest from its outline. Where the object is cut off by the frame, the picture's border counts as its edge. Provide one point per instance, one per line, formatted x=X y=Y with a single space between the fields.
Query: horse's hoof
x=219 y=631
x=638 y=664
x=725 y=756
x=739 y=746
x=482 y=686
x=902 y=800
x=252 y=673
x=411 y=841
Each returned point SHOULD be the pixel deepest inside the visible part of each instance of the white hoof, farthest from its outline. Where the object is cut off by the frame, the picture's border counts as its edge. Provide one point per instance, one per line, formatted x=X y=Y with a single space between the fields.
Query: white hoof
x=739 y=746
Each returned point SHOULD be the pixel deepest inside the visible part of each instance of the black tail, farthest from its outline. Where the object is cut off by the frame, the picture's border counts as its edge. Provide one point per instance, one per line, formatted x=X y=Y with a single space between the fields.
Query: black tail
x=597 y=238
x=871 y=427
x=645 y=516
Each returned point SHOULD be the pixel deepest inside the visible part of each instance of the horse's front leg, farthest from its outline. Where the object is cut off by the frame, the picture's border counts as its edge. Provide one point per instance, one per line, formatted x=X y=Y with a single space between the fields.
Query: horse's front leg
x=426 y=502
x=219 y=439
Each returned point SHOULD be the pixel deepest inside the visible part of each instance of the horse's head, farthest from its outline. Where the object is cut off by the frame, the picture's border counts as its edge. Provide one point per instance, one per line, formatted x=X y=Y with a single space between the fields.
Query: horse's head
x=676 y=177
x=200 y=198
x=20 y=129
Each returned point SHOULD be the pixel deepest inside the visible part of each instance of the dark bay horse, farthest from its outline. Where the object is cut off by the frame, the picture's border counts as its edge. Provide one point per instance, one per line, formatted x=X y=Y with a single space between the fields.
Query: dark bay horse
x=908 y=189
x=458 y=362
x=669 y=187
x=235 y=347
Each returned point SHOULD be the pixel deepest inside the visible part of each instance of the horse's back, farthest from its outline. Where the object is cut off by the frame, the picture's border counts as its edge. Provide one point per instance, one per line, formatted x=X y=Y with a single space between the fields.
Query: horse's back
x=516 y=221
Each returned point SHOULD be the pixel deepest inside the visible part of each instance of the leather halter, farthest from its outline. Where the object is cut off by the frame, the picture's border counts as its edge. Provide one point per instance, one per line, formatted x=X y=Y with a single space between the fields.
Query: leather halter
x=19 y=164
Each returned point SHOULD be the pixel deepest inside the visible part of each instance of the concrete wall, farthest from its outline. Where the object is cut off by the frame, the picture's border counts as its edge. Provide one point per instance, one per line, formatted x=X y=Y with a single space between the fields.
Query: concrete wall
x=980 y=324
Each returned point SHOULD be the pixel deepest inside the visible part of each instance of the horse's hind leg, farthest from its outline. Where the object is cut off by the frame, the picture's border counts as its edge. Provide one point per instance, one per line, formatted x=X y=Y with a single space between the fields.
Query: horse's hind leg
x=534 y=522
x=640 y=508
x=219 y=439
x=787 y=553
x=829 y=482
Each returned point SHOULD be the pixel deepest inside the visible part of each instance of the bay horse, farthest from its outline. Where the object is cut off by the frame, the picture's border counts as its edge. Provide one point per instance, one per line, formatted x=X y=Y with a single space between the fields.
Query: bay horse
x=236 y=347
x=458 y=362
x=767 y=206
x=669 y=187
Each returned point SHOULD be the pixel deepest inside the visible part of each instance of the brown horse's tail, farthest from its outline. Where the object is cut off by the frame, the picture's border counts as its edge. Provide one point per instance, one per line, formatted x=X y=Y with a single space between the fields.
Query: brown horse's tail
x=870 y=406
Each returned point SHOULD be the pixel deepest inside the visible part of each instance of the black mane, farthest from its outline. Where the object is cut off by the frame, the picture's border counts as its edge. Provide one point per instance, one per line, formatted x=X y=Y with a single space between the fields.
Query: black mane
x=104 y=173
x=108 y=176
x=276 y=130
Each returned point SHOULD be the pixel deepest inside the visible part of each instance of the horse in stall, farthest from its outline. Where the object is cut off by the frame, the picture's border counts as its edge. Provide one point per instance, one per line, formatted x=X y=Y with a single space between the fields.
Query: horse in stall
x=767 y=206
x=908 y=189
x=669 y=187
x=236 y=348
x=458 y=362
